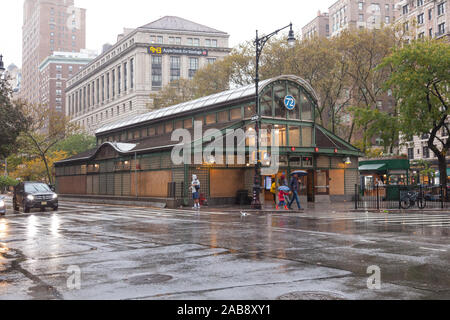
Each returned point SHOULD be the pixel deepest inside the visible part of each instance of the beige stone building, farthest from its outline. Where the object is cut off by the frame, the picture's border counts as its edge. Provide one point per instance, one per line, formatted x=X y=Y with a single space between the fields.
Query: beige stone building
x=118 y=83
x=425 y=18
x=318 y=27
x=48 y=26
x=345 y=14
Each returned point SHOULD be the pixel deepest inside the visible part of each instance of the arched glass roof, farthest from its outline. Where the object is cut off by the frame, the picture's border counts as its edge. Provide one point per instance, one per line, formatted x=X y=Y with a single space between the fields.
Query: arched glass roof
x=221 y=97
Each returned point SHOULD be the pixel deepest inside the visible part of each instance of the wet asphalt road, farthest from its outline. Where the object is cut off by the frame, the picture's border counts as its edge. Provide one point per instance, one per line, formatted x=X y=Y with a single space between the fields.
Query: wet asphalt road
x=143 y=253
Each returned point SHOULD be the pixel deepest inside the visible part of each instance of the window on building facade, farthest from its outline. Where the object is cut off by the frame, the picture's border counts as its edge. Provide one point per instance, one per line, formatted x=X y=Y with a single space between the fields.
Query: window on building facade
x=405 y=26
x=113 y=73
x=193 y=67
x=175 y=68
x=361 y=18
x=421 y=35
x=419 y=3
x=157 y=39
x=441 y=28
x=410 y=153
x=156 y=71
x=211 y=60
x=387 y=19
x=93 y=92
x=125 y=73
x=405 y=9
x=132 y=73
x=118 y=80
x=107 y=86
x=360 y=5
x=440 y=8
x=103 y=88
x=430 y=32
x=420 y=18
x=88 y=95
x=426 y=152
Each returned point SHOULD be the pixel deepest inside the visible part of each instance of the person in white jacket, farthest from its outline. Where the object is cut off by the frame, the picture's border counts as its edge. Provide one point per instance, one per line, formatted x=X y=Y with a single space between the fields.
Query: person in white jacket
x=195 y=188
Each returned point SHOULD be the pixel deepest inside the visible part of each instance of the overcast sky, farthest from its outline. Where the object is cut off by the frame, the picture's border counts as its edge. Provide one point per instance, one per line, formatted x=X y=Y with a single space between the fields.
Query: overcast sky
x=107 y=18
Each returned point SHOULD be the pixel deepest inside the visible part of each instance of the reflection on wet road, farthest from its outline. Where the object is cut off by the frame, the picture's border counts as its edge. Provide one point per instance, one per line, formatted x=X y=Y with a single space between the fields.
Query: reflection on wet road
x=144 y=253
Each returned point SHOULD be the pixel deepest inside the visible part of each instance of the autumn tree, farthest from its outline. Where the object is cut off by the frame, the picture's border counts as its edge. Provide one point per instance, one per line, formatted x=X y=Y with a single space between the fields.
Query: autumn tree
x=420 y=80
x=46 y=128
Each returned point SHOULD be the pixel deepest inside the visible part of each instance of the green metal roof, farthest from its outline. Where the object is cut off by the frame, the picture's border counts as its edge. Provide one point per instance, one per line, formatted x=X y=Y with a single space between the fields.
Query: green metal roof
x=373 y=167
x=390 y=164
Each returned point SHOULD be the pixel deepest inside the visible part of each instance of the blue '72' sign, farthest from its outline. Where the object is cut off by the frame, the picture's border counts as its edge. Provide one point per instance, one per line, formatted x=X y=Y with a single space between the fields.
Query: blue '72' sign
x=289 y=102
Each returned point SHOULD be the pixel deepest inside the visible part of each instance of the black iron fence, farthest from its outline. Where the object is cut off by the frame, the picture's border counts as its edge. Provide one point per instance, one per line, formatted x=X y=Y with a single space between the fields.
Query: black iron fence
x=401 y=197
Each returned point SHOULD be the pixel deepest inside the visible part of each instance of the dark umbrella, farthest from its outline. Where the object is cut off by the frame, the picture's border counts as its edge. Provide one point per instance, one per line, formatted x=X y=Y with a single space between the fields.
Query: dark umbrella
x=300 y=173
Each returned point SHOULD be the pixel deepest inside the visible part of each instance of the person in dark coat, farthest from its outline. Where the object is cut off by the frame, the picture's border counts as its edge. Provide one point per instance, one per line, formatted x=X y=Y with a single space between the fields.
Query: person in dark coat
x=294 y=185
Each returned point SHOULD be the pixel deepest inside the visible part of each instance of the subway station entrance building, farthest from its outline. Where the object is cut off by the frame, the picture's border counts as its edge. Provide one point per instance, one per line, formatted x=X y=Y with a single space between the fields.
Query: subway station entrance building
x=132 y=160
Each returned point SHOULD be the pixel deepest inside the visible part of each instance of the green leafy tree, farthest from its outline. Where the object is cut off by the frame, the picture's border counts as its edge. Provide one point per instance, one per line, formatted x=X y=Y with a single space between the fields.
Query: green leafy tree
x=76 y=143
x=12 y=120
x=421 y=82
x=6 y=182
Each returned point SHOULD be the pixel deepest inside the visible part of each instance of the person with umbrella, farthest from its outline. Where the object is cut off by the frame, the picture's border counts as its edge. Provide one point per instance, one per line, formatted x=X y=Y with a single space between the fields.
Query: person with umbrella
x=294 y=185
x=284 y=192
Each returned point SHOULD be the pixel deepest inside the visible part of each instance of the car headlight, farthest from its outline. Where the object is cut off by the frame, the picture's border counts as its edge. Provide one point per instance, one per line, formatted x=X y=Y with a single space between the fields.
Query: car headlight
x=2 y=203
x=30 y=197
x=55 y=196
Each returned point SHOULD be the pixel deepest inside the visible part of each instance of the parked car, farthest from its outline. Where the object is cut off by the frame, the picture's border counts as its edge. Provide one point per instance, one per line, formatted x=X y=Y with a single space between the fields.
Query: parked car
x=29 y=195
x=2 y=206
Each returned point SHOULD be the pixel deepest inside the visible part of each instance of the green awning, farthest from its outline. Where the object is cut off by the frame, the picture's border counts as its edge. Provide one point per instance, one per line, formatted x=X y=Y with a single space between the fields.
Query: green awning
x=439 y=174
x=373 y=167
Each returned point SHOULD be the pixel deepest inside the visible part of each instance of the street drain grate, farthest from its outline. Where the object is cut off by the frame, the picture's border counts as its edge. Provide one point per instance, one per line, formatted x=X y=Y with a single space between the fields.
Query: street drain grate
x=310 y=295
x=149 y=279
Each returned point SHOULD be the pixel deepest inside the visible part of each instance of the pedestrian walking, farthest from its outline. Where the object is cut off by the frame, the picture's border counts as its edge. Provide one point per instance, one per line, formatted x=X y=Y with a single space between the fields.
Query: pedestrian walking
x=273 y=190
x=282 y=196
x=294 y=185
x=195 y=188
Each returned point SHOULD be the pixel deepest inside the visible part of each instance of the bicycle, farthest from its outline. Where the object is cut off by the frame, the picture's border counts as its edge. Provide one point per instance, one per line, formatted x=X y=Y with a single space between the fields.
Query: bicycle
x=411 y=198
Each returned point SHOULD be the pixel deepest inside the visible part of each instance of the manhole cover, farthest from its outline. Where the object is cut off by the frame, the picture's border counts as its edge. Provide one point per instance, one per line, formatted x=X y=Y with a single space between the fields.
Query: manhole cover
x=310 y=295
x=149 y=279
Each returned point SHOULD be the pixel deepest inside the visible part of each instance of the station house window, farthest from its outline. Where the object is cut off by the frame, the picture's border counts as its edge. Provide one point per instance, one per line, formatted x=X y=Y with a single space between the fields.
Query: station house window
x=169 y=126
x=210 y=118
x=187 y=123
x=236 y=114
x=223 y=116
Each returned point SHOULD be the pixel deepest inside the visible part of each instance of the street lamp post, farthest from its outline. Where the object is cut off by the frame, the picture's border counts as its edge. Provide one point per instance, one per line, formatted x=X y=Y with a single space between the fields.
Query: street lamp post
x=2 y=70
x=259 y=44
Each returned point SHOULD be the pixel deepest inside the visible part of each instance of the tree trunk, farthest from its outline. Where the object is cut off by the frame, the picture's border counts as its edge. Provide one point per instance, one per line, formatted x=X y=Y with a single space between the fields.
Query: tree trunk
x=48 y=170
x=443 y=174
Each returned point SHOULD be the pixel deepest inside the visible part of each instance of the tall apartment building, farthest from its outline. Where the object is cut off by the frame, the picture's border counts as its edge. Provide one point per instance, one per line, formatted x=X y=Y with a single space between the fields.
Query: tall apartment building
x=359 y=14
x=48 y=26
x=118 y=83
x=55 y=70
x=425 y=18
x=318 y=27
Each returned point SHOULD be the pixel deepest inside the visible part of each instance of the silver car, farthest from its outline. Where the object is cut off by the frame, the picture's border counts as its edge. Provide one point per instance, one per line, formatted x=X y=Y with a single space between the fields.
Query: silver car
x=2 y=206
